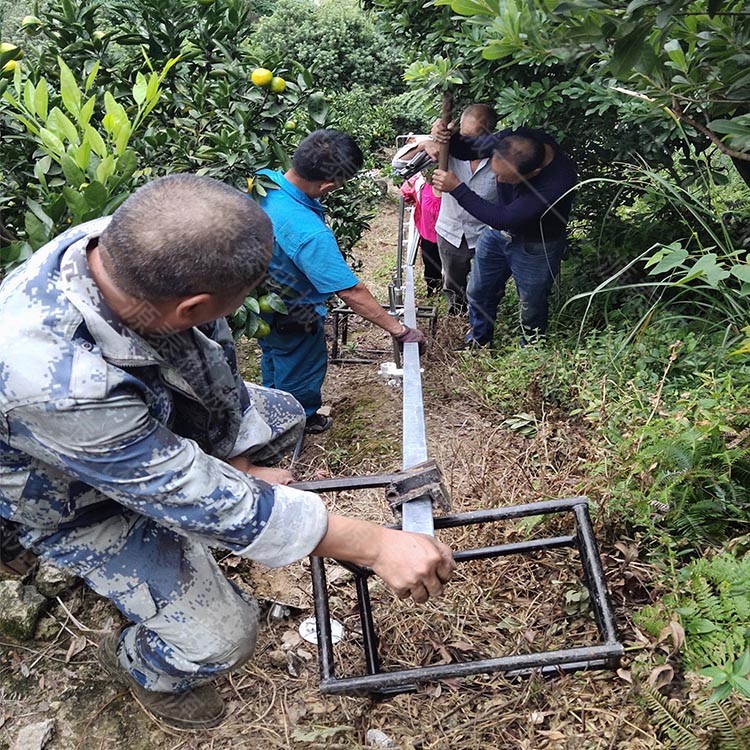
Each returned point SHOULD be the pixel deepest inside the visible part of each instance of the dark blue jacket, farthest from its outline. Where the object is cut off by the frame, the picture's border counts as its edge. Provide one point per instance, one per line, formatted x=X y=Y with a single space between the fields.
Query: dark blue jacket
x=535 y=210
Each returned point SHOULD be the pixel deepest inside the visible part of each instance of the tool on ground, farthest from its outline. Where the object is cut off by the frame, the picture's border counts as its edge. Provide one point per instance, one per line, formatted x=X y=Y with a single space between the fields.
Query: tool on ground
x=416 y=490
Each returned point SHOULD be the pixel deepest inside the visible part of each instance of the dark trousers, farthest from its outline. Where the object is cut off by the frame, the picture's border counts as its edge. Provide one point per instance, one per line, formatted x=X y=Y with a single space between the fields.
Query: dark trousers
x=534 y=267
x=433 y=269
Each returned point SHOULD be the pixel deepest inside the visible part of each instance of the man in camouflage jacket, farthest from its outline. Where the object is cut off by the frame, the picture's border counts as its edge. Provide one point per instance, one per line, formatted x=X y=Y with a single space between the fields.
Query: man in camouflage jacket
x=129 y=443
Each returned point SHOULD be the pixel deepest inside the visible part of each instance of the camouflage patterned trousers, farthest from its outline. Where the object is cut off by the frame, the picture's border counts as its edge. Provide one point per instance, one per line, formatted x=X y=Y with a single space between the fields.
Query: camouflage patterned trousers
x=190 y=623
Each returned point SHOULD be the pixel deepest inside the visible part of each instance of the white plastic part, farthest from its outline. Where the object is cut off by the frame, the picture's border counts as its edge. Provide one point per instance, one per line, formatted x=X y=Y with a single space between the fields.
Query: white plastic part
x=309 y=631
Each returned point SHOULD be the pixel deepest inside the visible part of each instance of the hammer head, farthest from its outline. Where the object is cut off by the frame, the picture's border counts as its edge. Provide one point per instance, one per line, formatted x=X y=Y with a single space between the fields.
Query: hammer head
x=422 y=480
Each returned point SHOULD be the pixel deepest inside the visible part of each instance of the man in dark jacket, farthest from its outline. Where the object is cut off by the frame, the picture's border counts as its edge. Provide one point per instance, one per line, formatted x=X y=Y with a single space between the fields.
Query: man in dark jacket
x=525 y=237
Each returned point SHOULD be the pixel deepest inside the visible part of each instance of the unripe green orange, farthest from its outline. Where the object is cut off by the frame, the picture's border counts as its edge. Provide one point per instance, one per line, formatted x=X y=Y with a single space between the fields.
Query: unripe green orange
x=278 y=85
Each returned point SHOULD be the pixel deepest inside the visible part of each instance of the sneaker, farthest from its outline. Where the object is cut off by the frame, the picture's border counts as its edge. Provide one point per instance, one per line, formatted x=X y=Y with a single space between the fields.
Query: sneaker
x=199 y=708
x=317 y=423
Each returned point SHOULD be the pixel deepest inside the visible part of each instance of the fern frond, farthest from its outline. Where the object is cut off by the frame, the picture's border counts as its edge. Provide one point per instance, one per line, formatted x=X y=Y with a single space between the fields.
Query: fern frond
x=672 y=720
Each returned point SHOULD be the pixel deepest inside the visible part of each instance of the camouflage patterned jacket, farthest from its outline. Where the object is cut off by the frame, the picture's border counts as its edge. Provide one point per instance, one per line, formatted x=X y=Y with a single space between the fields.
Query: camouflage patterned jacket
x=97 y=422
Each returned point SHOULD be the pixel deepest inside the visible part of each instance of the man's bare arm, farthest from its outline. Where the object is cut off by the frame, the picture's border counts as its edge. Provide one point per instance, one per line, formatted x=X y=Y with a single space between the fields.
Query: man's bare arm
x=415 y=565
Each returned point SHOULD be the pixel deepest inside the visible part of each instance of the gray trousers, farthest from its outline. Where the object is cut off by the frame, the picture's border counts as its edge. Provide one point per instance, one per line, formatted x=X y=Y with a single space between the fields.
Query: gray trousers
x=456 y=262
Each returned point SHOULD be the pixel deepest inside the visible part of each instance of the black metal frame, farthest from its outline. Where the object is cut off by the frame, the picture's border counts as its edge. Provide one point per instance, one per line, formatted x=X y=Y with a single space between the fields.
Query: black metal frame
x=607 y=653
x=340 y=319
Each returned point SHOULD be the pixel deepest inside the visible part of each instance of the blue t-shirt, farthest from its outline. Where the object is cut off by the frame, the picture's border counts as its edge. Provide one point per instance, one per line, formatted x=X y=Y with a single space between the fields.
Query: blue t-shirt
x=307 y=266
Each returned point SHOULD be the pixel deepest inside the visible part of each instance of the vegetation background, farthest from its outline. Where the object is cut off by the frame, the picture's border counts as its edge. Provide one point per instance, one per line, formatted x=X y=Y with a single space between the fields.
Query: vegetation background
x=650 y=343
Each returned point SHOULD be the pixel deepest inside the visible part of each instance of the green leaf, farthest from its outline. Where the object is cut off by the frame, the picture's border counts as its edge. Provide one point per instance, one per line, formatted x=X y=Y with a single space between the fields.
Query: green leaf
x=627 y=51
x=720 y=693
x=73 y=173
x=41 y=168
x=709 y=269
x=717 y=674
x=75 y=202
x=28 y=96
x=82 y=155
x=251 y=304
x=276 y=303
x=41 y=99
x=127 y=163
x=674 y=50
x=139 y=89
x=701 y=626
x=40 y=213
x=61 y=125
x=472 y=7
x=51 y=142
x=742 y=684
x=742 y=665
x=91 y=76
x=317 y=107
x=96 y=142
x=666 y=260
x=71 y=94
x=122 y=137
x=152 y=87
x=84 y=116
x=96 y=195
x=251 y=326
x=105 y=169
x=742 y=272
x=36 y=231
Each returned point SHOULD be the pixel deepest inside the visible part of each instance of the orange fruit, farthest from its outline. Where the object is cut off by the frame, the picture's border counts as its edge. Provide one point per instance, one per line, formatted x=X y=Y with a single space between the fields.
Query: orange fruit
x=261 y=76
x=278 y=85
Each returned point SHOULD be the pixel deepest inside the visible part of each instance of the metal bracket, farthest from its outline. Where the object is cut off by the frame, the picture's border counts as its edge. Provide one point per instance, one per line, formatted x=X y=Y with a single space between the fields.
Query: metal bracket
x=605 y=654
x=420 y=481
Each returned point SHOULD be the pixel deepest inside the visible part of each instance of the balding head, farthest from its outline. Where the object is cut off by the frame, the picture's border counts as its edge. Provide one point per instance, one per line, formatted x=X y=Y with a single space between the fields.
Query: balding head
x=478 y=119
x=183 y=235
x=518 y=155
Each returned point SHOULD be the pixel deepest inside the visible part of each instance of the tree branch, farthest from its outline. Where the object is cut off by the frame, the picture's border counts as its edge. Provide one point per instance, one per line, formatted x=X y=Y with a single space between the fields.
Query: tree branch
x=741 y=155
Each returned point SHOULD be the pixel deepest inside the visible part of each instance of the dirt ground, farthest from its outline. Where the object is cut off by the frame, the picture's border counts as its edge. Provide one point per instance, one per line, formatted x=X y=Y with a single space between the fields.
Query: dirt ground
x=491 y=608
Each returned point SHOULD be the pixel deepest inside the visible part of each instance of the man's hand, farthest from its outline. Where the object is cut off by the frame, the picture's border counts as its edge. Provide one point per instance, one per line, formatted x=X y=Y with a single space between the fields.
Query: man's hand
x=411 y=336
x=440 y=132
x=431 y=148
x=444 y=181
x=266 y=473
x=415 y=565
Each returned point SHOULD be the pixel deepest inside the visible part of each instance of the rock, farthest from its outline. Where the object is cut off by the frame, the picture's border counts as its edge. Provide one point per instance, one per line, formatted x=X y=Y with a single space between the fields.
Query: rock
x=376 y=738
x=51 y=581
x=35 y=736
x=20 y=608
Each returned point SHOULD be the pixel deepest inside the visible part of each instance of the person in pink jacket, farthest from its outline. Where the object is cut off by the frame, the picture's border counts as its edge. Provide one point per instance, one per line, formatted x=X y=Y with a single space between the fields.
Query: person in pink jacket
x=416 y=190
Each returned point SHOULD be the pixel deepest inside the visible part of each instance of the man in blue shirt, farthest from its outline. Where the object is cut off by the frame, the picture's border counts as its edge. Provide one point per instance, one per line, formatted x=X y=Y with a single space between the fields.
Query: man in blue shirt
x=307 y=268
x=526 y=236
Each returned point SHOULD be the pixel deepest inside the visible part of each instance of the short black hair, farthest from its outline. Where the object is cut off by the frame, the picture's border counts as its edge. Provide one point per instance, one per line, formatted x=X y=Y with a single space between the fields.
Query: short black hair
x=484 y=113
x=525 y=152
x=184 y=234
x=327 y=156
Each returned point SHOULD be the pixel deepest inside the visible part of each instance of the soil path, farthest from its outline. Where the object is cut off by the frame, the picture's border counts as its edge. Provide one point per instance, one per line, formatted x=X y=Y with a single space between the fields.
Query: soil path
x=492 y=608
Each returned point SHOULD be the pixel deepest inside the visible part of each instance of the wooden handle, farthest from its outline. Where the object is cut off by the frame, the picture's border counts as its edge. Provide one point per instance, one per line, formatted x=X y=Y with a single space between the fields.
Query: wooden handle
x=446 y=115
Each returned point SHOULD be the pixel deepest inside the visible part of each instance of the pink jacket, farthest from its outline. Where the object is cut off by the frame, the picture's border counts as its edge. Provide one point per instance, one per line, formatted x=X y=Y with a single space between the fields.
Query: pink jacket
x=426 y=205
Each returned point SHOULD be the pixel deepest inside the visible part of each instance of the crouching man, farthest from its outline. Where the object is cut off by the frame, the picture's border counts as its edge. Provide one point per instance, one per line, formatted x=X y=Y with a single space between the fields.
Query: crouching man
x=129 y=444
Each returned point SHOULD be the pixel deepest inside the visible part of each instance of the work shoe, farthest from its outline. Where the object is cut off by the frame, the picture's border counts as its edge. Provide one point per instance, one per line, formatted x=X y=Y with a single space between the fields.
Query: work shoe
x=317 y=423
x=199 y=708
